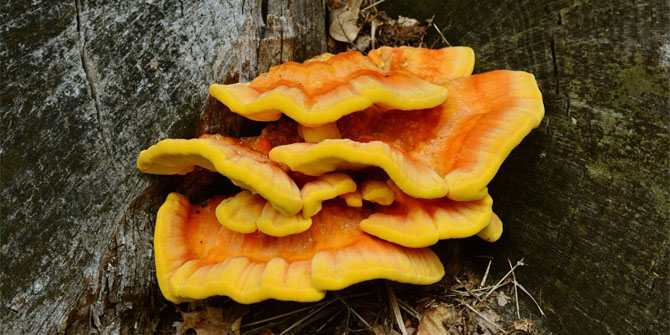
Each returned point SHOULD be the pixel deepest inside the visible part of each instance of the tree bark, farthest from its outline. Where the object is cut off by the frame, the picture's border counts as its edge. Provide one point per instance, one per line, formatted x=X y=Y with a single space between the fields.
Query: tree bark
x=584 y=198
x=86 y=86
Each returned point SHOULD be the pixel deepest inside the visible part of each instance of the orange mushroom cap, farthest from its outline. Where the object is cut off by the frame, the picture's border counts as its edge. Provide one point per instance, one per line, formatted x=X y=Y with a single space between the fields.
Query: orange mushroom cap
x=452 y=150
x=196 y=257
x=324 y=89
x=419 y=223
x=493 y=230
x=433 y=65
x=247 y=168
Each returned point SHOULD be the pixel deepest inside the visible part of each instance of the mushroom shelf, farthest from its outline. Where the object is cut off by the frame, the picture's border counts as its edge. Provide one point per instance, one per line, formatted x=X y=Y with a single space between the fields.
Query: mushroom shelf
x=376 y=158
x=196 y=257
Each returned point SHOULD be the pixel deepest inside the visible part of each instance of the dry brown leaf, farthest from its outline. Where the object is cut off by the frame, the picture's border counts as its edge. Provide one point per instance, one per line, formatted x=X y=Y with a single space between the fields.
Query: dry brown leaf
x=485 y=324
x=381 y=330
x=433 y=320
x=502 y=299
x=210 y=321
x=524 y=325
x=343 y=22
x=407 y=21
x=362 y=42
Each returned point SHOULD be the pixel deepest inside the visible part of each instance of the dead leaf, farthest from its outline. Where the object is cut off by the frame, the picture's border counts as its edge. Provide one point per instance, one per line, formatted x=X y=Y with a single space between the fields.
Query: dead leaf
x=362 y=42
x=502 y=299
x=525 y=325
x=407 y=21
x=153 y=64
x=343 y=22
x=381 y=330
x=485 y=325
x=432 y=322
x=211 y=321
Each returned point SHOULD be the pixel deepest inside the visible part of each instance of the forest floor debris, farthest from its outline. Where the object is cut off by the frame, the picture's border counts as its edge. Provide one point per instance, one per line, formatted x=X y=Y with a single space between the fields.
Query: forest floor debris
x=462 y=304
x=360 y=25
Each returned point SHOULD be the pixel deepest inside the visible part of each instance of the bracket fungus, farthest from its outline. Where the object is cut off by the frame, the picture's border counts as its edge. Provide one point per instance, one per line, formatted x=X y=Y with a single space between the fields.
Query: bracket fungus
x=414 y=117
x=451 y=150
x=416 y=223
x=244 y=166
x=377 y=192
x=196 y=257
x=246 y=212
x=324 y=89
x=433 y=65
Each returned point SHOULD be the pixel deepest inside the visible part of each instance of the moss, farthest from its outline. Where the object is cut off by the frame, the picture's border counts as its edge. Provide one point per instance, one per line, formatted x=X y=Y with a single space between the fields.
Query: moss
x=637 y=80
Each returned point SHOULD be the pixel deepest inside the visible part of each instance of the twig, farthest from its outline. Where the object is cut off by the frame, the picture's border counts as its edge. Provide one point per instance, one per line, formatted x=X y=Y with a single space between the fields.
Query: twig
x=300 y=310
x=498 y=284
x=374 y=4
x=485 y=318
x=516 y=293
x=409 y=309
x=355 y=313
x=486 y=274
x=467 y=289
x=305 y=318
x=444 y=39
x=396 y=310
x=373 y=32
x=330 y=319
x=536 y=304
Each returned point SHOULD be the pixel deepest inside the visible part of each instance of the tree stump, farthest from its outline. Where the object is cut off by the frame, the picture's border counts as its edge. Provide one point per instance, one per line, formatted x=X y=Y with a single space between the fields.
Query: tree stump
x=86 y=86
x=585 y=197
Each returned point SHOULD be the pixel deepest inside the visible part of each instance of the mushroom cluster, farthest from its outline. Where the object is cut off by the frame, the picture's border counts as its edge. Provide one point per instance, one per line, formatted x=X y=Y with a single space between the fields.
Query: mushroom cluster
x=366 y=161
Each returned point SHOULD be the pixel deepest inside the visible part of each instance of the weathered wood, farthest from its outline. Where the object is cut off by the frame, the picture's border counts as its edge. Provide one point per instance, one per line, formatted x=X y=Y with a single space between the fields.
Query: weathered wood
x=86 y=86
x=585 y=197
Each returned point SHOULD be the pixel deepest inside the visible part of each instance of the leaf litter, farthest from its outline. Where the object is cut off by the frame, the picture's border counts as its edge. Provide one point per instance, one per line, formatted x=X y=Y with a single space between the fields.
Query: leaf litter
x=459 y=304
x=359 y=25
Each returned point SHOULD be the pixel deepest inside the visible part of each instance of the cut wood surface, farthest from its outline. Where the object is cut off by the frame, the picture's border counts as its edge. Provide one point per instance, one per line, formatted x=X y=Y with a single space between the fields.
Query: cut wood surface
x=88 y=84
x=585 y=197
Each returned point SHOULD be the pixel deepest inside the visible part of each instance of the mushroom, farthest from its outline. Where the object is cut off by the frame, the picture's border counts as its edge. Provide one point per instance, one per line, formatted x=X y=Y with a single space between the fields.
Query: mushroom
x=324 y=89
x=353 y=199
x=416 y=223
x=429 y=64
x=246 y=212
x=196 y=257
x=325 y=187
x=377 y=192
x=320 y=133
x=452 y=150
x=246 y=168
x=493 y=230
x=413 y=116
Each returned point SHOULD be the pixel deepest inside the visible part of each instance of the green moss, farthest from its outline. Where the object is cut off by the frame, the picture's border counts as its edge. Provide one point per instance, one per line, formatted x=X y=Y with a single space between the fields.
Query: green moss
x=636 y=80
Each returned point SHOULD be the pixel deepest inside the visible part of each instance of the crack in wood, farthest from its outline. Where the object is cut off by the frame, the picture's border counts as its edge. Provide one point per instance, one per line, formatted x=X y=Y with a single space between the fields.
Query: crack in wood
x=553 y=59
x=91 y=79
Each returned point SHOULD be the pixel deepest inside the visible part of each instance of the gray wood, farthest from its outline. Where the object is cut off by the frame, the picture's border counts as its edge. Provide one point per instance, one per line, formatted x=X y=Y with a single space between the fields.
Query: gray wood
x=585 y=197
x=86 y=86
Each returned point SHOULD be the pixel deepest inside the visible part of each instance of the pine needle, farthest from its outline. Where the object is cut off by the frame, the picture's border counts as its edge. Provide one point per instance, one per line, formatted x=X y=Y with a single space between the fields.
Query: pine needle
x=396 y=309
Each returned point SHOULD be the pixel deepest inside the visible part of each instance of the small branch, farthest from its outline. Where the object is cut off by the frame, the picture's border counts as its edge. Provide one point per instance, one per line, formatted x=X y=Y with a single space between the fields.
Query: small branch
x=373 y=5
x=396 y=310
x=353 y=311
x=516 y=293
x=485 y=318
x=531 y=297
x=486 y=274
x=499 y=283
x=444 y=39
